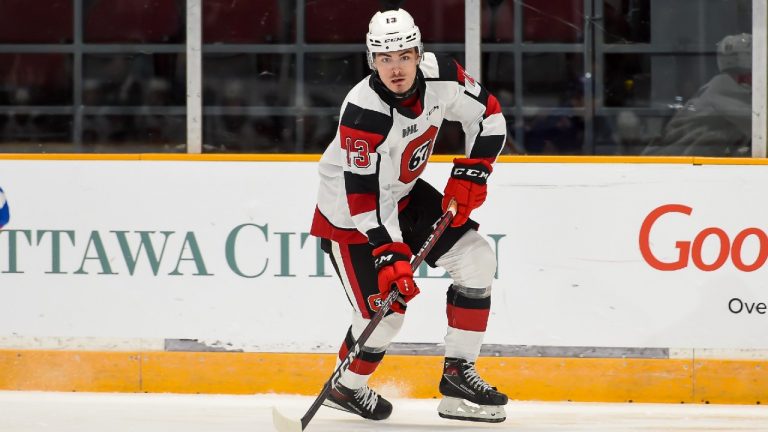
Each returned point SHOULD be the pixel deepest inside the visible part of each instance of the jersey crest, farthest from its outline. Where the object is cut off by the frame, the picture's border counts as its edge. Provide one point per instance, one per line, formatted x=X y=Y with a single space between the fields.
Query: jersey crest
x=416 y=155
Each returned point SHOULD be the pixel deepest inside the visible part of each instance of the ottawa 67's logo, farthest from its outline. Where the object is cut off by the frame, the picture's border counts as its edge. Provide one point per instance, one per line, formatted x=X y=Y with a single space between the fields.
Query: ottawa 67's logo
x=416 y=155
x=375 y=301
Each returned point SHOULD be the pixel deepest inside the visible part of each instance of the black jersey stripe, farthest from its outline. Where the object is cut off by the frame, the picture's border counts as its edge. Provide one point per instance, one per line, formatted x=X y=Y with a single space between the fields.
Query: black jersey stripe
x=447 y=69
x=487 y=146
x=366 y=353
x=361 y=183
x=359 y=118
x=378 y=236
x=455 y=298
x=482 y=96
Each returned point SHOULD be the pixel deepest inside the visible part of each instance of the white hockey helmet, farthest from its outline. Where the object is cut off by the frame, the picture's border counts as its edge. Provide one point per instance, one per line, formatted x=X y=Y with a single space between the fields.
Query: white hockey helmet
x=392 y=30
x=734 y=53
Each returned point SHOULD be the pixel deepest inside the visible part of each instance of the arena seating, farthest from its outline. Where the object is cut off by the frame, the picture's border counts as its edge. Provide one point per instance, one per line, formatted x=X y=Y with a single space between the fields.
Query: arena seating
x=129 y=21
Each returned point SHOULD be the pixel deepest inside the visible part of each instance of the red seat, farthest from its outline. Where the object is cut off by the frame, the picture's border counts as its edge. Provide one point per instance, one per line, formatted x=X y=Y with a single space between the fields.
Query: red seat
x=34 y=70
x=252 y=21
x=44 y=79
x=438 y=20
x=155 y=21
x=35 y=21
x=553 y=20
x=346 y=21
x=498 y=24
x=338 y=21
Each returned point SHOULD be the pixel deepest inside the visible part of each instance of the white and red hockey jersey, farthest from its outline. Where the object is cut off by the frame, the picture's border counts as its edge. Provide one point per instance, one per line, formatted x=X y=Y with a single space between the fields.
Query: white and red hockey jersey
x=382 y=147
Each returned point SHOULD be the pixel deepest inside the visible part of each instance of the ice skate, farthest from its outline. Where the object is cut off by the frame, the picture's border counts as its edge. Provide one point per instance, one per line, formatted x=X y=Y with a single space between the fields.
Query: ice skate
x=466 y=396
x=364 y=402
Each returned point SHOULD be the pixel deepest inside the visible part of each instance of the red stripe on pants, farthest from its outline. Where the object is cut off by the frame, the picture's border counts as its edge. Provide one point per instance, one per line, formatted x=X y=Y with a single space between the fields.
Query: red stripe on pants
x=358 y=366
x=467 y=319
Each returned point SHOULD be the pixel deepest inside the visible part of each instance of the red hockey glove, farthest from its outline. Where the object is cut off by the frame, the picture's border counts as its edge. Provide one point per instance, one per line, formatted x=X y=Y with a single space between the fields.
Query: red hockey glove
x=392 y=262
x=468 y=185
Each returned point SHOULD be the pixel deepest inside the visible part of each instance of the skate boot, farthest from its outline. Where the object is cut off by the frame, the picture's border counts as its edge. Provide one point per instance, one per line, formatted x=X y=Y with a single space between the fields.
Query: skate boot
x=466 y=396
x=363 y=401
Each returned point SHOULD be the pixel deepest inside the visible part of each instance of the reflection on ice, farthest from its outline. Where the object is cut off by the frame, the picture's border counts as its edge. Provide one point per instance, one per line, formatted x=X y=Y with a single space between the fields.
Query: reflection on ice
x=99 y=412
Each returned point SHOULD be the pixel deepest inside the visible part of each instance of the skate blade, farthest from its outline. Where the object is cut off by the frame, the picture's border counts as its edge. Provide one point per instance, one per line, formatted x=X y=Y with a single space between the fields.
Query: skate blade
x=473 y=419
x=334 y=405
x=460 y=409
x=285 y=424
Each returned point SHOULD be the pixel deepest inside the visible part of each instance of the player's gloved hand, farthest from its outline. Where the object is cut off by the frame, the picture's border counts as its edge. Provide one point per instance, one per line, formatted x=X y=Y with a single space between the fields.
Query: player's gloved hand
x=468 y=185
x=392 y=262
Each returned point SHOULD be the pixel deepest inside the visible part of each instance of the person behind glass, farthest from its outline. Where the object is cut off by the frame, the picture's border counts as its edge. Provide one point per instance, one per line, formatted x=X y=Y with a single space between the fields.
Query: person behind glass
x=5 y=214
x=374 y=210
x=717 y=121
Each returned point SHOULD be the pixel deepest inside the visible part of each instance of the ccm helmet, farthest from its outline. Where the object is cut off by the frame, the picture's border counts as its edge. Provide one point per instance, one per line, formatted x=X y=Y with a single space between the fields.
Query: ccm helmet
x=734 y=53
x=392 y=30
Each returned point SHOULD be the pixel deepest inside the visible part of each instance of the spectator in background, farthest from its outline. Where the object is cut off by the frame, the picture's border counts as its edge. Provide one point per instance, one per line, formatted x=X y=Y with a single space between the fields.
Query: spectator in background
x=97 y=127
x=234 y=131
x=156 y=128
x=558 y=131
x=718 y=120
x=5 y=214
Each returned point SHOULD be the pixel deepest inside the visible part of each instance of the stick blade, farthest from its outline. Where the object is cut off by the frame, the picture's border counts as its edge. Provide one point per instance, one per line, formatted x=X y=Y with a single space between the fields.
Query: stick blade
x=285 y=424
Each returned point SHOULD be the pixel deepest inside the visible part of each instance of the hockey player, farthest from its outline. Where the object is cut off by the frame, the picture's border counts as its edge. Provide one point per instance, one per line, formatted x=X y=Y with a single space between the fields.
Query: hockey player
x=373 y=211
x=4 y=211
x=717 y=121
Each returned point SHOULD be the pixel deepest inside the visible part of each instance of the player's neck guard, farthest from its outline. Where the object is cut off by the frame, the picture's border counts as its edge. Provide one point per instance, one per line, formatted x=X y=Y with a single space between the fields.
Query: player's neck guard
x=393 y=98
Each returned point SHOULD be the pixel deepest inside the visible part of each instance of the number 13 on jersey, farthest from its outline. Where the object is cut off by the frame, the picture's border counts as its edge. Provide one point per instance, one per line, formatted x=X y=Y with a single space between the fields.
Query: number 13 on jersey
x=358 y=153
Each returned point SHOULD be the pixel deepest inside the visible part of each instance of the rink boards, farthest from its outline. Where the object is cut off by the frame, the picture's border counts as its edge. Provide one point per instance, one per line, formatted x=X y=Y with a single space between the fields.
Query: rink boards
x=544 y=379
x=618 y=279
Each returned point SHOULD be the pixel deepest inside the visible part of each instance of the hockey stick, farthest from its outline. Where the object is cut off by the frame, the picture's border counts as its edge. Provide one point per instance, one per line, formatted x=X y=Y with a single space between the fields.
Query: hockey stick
x=285 y=424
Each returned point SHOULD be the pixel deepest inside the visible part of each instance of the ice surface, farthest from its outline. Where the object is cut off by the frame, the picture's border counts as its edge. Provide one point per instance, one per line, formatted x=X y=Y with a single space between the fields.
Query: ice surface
x=108 y=412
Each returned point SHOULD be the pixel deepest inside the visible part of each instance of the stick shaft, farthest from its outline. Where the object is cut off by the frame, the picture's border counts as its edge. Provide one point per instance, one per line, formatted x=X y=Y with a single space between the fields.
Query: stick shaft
x=440 y=226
